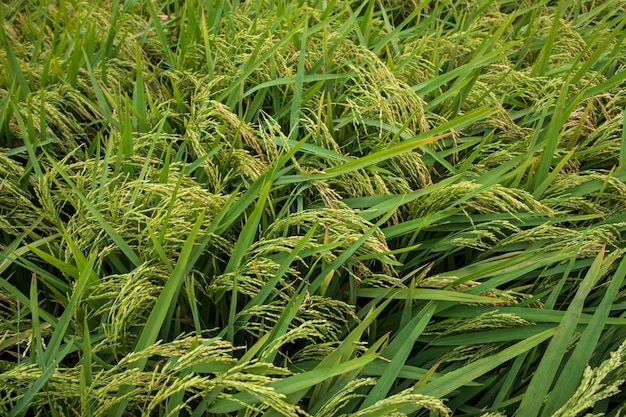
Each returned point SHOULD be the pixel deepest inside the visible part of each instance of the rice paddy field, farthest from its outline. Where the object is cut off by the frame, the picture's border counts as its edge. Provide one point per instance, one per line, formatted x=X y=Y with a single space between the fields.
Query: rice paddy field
x=312 y=208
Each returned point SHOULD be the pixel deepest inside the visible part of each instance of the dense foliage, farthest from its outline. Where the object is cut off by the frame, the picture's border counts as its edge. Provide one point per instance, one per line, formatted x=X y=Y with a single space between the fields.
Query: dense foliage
x=312 y=208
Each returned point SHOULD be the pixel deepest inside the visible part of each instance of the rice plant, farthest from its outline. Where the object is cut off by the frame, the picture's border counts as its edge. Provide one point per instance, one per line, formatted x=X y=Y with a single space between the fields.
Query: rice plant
x=312 y=208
